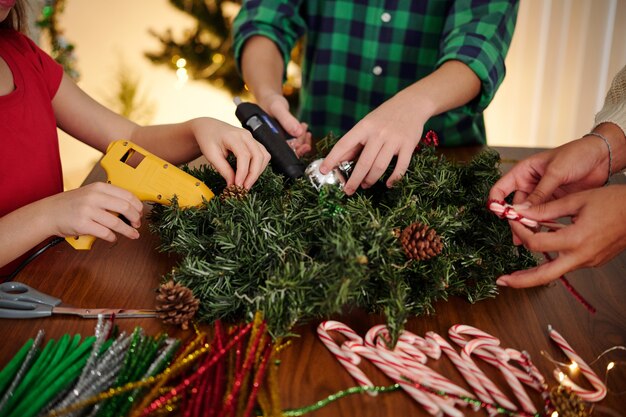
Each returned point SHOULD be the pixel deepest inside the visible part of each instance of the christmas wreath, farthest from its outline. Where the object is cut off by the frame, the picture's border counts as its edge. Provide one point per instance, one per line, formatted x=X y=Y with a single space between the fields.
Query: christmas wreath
x=295 y=253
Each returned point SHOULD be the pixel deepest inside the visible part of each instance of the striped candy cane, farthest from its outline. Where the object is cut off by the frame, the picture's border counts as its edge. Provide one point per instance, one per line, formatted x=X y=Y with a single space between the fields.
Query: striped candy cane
x=463 y=367
x=405 y=359
x=506 y=211
x=344 y=353
x=429 y=347
x=434 y=405
x=502 y=365
x=456 y=333
x=594 y=380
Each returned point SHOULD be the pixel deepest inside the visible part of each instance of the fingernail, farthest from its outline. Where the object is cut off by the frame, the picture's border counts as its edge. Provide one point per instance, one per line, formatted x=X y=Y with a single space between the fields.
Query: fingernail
x=501 y=282
x=525 y=205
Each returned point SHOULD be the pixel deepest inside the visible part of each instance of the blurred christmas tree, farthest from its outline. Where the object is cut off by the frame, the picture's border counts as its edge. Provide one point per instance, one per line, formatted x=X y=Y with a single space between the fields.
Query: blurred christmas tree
x=205 y=52
x=127 y=98
x=60 y=49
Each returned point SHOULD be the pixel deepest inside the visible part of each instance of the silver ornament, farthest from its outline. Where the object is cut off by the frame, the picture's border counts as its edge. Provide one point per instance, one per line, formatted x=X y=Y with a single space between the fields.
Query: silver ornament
x=337 y=177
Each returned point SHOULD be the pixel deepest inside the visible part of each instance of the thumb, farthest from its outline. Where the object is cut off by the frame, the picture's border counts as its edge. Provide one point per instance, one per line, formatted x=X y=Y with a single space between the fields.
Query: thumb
x=552 y=210
x=288 y=121
x=544 y=190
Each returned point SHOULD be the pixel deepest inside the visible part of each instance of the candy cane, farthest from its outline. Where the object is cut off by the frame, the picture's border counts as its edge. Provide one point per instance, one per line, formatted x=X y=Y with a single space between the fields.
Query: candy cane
x=433 y=404
x=456 y=333
x=531 y=375
x=348 y=359
x=506 y=211
x=402 y=359
x=594 y=380
x=506 y=370
x=463 y=367
x=429 y=347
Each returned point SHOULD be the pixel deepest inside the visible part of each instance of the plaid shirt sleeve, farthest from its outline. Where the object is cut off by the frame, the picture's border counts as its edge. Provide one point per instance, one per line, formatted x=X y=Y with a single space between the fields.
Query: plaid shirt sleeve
x=278 y=20
x=478 y=33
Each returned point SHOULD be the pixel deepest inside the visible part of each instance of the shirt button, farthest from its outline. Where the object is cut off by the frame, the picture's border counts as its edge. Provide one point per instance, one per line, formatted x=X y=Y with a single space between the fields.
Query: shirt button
x=377 y=70
x=385 y=17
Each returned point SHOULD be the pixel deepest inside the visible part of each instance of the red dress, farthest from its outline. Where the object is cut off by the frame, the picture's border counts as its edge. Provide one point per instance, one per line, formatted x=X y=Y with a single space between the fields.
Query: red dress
x=30 y=164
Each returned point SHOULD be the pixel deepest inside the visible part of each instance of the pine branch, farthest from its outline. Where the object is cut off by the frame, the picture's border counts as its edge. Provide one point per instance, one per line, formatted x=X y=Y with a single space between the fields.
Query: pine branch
x=296 y=254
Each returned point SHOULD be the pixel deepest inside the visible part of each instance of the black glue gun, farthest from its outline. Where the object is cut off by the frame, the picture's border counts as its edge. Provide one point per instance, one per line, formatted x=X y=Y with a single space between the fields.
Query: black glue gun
x=270 y=134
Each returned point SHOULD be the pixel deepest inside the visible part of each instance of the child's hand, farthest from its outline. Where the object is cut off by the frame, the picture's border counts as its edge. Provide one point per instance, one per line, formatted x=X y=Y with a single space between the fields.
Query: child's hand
x=276 y=105
x=93 y=210
x=217 y=139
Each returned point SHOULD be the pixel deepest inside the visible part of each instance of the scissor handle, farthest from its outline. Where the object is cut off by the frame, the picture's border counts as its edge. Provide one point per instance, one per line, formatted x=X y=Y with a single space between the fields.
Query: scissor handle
x=10 y=309
x=17 y=291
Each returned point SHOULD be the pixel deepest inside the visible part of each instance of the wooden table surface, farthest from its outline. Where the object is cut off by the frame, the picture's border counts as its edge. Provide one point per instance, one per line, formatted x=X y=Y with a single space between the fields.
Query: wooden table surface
x=125 y=275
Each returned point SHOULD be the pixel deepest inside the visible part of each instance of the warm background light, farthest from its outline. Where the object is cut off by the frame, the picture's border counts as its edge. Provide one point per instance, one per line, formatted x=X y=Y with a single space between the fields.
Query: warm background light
x=563 y=56
x=112 y=33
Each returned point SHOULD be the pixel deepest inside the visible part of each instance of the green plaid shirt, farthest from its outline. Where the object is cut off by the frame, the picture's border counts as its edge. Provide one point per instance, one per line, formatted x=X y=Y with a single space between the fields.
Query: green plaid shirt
x=360 y=53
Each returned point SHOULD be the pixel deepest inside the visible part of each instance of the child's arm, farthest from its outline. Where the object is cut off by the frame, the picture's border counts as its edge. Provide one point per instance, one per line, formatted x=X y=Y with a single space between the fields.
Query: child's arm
x=84 y=118
x=90 y=210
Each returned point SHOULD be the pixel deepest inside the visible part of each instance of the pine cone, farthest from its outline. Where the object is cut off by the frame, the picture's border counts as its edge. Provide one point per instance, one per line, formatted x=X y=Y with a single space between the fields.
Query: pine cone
x=567 y=403
x=420 y=242
x=234 y=191
x=176 y=304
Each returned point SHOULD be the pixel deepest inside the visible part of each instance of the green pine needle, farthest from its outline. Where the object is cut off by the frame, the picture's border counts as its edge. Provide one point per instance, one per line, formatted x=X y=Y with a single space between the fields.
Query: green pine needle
x=297 y=254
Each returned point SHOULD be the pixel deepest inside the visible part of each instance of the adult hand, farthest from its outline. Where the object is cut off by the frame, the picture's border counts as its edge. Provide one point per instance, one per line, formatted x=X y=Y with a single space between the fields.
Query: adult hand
x=276 y=105
x=93 y=210
x=575 y=166
x=387 y=131
x=597 y=234
x=217 y=139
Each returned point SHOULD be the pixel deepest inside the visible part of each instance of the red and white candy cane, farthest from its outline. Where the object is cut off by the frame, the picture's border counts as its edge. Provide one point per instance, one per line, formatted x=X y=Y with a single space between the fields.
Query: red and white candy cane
x=344 y=353
x=429 y=347
x=594 y=380
x=530 y=376
x=456 y=333
x=506 y=211
x=463 y=367
x=405 y=358
x=432 y=403
x=503 y=366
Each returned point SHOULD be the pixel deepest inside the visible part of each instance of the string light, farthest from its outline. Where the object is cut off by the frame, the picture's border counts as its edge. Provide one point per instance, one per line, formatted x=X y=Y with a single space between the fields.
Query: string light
x=555 y=414
x=573 y=366
x=181 y=72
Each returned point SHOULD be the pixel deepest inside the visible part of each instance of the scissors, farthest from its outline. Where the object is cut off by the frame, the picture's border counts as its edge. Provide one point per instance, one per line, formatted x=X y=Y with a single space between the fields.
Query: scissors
x=19 y=301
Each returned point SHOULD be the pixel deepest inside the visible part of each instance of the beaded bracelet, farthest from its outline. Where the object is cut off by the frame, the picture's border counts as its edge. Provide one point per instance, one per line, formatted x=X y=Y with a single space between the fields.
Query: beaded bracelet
x=608 y=145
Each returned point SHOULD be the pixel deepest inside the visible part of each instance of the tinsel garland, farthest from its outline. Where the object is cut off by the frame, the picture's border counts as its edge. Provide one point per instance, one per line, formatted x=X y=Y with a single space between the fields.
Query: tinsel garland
x=295 y=254
x=231 y=373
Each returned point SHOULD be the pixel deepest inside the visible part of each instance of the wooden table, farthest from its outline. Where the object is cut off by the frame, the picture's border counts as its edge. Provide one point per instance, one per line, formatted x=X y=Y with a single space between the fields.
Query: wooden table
x=125 y=274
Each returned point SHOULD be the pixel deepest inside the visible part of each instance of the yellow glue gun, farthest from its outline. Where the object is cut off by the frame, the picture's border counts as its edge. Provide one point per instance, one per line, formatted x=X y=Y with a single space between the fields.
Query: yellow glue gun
x=148 y=177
